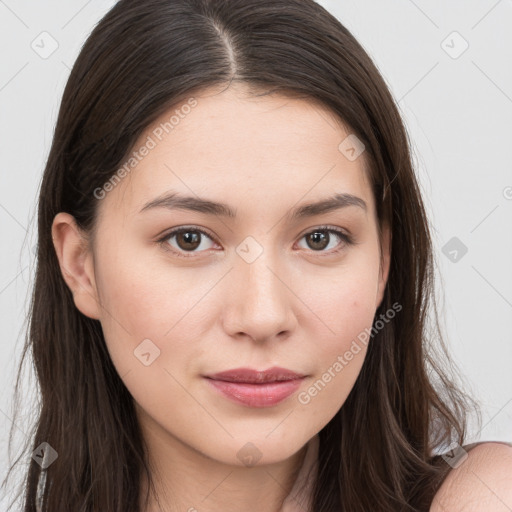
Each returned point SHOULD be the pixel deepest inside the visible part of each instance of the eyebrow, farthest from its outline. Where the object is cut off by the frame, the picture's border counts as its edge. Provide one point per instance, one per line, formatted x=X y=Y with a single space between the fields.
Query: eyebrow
x=173 y=200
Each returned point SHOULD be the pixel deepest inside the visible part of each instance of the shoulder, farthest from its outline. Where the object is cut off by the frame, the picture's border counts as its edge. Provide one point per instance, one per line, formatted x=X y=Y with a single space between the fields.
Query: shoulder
x=482 y=481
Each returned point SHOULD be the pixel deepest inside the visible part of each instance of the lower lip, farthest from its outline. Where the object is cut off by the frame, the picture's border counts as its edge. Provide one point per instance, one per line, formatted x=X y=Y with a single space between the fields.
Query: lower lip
x=257 y=395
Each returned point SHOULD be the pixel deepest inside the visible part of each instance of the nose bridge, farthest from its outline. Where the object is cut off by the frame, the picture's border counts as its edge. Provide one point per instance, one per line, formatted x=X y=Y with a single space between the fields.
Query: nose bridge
x=260 y=300
x=261 y=281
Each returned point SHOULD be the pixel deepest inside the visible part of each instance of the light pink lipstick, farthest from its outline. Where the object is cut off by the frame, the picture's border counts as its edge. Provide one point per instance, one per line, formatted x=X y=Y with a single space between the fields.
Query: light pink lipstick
x=255 y=388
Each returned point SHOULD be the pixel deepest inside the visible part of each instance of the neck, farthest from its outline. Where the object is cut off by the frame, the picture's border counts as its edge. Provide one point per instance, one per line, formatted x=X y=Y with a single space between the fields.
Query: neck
x=186 y=480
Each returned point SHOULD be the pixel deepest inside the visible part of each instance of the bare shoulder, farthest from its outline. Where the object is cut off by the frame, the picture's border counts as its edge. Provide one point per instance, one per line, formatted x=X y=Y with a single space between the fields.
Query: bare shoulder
x=483 y=481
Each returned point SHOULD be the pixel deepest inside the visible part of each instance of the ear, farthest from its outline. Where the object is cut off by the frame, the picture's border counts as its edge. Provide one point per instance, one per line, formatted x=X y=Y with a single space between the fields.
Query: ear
x=385 y=257
x=76 y=263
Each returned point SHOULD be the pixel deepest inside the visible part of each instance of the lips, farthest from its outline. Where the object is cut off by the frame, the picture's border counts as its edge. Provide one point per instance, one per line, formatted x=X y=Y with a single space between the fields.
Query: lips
x=250 y=376
x=255 y=388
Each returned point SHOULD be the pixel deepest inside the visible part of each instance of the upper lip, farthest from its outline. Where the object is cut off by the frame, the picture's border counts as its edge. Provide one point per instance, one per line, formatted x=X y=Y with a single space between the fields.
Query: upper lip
x=274 y=374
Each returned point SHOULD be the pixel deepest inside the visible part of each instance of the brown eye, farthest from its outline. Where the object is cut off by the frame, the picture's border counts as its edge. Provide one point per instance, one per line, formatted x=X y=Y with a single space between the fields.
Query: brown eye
x=186 y=240
x=318 y=240
x=321 y=238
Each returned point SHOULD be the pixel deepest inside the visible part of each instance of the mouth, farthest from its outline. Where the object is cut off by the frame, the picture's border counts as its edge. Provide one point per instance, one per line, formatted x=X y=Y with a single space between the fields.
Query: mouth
x=255 y=388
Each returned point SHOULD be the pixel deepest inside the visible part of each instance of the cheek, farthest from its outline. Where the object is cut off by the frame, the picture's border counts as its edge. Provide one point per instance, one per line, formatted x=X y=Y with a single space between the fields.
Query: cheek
x=145 y=295
x=345 y=311
x=340 y=360
x=345 y=303
x=140 y=301
x=150 y=323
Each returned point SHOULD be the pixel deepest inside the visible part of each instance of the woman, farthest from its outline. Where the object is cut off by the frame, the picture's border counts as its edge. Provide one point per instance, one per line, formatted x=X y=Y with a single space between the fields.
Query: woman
x=234 y=275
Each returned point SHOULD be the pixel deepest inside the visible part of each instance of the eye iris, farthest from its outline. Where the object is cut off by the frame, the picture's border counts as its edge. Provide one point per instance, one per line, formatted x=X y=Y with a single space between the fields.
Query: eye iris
x=190 y=237
x=316 y=236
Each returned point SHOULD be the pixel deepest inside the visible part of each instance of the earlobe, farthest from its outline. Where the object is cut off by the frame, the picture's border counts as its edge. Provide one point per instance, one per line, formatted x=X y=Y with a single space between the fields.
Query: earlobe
x=384 y=263
x=75 y=260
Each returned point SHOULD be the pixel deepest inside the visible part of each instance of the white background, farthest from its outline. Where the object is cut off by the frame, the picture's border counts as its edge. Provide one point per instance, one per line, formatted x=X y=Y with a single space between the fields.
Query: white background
x=458 y=112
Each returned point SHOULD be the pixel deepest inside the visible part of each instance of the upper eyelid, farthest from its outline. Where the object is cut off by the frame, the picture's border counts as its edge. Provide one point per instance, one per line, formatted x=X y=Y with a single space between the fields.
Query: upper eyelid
x=177 y=230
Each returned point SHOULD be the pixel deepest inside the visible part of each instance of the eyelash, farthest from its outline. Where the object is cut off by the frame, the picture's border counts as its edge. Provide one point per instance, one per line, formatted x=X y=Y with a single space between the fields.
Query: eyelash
x=347 y=239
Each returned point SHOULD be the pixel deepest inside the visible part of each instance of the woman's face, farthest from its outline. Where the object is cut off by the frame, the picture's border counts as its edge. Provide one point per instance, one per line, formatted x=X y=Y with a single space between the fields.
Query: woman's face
x=258 y=290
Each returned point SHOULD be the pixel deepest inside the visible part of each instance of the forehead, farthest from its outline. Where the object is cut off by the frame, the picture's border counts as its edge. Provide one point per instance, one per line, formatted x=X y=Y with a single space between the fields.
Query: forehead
x=244 y=150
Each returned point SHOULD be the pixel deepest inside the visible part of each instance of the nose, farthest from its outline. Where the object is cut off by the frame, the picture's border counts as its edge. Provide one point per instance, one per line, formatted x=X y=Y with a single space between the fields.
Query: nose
x=260 y=302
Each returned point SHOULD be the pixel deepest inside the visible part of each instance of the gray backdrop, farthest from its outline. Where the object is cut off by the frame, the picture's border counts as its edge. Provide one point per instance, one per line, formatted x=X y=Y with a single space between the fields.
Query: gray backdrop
x=448 y=65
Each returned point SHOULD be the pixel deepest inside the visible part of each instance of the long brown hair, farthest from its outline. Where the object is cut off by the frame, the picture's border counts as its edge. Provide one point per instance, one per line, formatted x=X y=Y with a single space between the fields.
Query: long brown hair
x=379 y=450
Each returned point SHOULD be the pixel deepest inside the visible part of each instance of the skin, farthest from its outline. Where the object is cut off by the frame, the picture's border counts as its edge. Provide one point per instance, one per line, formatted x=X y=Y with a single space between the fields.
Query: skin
x=481 y=483
x=295 y=306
